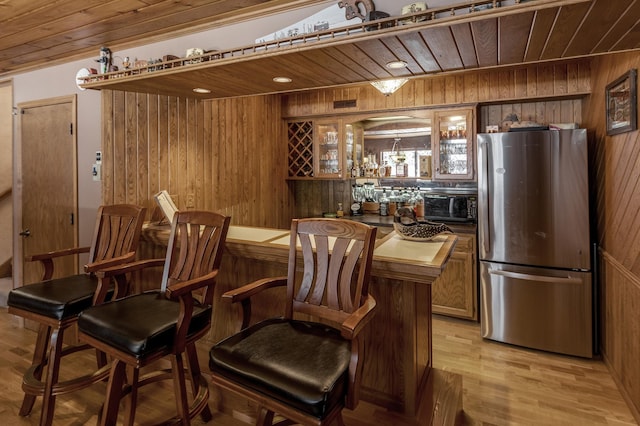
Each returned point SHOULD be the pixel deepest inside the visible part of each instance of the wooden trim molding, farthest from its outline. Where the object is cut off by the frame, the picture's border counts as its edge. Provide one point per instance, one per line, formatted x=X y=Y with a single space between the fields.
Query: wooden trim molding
x=620 y=346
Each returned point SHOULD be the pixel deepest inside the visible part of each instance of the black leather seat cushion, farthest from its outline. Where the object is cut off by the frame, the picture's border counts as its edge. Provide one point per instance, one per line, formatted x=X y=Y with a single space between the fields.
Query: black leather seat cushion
x=302 y=364
x=140 y=324
x=58 y=298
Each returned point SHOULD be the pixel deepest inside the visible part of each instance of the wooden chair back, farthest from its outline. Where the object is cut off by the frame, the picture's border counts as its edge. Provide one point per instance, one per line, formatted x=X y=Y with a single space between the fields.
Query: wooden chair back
x=140 y=329
x=336 y=259
x=117 y=232
x=194 y=248
x=115 y=240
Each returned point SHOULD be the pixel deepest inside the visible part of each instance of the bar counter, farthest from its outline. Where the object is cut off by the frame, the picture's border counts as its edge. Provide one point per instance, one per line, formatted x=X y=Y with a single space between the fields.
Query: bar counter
x=398 y=341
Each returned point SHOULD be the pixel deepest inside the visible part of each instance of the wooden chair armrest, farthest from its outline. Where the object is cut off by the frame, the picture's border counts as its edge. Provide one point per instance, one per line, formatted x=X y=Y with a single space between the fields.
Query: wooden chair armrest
x=118 y=274
x=183 y=292
x=186 y=287
x=57 y=253
x=243 y=294
x=47 y=259
x=358 y=319
x=129 y=267
x=246 y=291
x=107 y=263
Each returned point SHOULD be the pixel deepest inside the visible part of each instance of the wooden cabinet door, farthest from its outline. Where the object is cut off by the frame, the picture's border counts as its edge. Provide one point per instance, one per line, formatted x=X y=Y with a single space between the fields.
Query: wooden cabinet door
x=454 y=293
x=453 y=148
x=328 y=149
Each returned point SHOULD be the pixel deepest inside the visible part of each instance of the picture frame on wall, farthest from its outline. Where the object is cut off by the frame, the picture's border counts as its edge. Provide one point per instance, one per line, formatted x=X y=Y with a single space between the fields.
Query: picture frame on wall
x=621 y=104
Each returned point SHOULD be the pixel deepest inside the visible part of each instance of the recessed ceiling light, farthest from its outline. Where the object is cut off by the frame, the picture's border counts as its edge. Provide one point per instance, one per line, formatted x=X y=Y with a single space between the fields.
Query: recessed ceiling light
x=282 y=79
x=394 y=65
x=201 y=90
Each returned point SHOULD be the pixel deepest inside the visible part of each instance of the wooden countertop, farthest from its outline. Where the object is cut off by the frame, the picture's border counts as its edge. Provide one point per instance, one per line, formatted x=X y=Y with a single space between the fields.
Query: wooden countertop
x=393 y=258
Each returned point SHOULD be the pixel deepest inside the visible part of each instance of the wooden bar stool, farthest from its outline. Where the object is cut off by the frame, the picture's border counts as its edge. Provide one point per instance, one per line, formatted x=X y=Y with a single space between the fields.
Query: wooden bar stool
x=56 y=303
x=139 y=330
x=305 y=370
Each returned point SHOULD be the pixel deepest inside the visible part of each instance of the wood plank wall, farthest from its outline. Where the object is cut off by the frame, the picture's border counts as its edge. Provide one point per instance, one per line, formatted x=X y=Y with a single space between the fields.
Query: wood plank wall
x=216 y=155
x=230 y=155
x=220 y=154
x=545 y=93
x=542 y=112
x=541 y=81
x=616 y=163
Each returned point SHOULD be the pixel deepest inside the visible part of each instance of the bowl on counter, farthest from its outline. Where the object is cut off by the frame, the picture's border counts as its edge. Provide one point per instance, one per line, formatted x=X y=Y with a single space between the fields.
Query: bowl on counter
x=423 y=231
x=408 y=227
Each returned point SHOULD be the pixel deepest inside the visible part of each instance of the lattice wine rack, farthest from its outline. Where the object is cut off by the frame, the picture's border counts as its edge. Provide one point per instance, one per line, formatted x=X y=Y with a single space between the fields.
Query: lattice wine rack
x=301 y=149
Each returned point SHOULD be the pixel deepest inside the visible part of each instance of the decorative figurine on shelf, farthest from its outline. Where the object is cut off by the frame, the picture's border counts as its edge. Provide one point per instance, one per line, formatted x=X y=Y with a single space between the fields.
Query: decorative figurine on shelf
x=352 y=8
x=407 y=225
x=104 y=60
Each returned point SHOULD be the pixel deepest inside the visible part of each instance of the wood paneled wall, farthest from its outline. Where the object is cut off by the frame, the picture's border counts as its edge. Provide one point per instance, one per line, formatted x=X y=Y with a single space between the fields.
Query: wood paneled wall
x=542 y=112
x=554 y=91
x=229 y=155
x=616 y=165
x=539 y=81
x=223 y=155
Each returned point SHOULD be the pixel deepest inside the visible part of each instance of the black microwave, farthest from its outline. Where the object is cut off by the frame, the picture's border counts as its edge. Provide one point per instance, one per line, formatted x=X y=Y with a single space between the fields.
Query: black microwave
x=450 y=207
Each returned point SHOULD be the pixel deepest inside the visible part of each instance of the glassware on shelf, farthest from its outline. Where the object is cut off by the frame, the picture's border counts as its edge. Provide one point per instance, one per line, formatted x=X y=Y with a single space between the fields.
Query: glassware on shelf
x=384 y=204
x=369 y=191
x=402 y=169
x=358 y=198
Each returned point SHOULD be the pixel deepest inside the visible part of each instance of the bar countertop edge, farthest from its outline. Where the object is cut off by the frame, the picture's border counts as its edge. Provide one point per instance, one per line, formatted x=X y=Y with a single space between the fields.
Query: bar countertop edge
x=394 y=257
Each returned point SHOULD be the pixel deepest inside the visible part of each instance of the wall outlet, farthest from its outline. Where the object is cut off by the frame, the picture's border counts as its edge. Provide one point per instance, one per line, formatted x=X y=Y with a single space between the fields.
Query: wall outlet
x=191 y=201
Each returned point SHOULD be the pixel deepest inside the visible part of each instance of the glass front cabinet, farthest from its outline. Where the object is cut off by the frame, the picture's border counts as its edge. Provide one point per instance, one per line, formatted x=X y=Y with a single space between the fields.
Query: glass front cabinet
x=453 y=145
x=337 y=147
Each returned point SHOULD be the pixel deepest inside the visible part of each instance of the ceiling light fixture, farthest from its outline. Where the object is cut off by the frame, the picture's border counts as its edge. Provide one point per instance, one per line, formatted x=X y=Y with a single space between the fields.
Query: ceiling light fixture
x=201 y=90
x=282 y=79
x=395 y=65
x=388 y=87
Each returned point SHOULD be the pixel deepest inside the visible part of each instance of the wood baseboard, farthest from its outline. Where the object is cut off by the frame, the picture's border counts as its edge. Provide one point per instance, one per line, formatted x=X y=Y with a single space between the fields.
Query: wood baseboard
x=442 y=399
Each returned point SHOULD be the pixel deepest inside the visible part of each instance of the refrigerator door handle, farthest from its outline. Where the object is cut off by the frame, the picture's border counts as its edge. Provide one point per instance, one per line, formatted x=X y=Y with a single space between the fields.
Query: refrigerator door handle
x=483 y=202
x=539 y=278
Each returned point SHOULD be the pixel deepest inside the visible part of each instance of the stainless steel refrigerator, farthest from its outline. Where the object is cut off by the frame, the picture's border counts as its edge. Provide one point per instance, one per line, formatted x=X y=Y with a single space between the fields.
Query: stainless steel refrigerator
x=534 y=240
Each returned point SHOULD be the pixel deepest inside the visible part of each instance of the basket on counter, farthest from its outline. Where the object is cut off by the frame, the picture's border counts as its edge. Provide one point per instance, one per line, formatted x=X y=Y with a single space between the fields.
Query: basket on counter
x=410 y=228
x=371 y=207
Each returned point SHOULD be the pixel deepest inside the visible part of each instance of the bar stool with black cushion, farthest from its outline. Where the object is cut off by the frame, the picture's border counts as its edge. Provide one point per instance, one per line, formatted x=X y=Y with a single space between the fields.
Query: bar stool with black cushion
x=56 y=302
x=305 y=366
x=140 y=329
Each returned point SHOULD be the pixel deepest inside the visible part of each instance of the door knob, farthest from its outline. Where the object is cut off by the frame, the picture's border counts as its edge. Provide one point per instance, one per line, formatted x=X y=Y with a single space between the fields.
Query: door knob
x=25 y=233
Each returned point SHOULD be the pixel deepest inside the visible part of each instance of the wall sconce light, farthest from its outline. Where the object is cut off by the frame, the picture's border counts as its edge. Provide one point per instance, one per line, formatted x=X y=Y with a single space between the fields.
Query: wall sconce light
x=387 y=87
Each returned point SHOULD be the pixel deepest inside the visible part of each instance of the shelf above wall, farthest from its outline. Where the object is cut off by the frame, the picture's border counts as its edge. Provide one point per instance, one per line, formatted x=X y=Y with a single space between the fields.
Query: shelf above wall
x=471 y=35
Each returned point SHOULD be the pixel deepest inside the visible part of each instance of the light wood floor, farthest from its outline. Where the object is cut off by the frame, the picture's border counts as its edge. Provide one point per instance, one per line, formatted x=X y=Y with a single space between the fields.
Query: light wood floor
x=502 y=385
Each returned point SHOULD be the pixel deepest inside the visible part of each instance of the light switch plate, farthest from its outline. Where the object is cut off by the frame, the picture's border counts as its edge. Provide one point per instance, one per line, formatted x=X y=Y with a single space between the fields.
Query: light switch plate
x=96 y=172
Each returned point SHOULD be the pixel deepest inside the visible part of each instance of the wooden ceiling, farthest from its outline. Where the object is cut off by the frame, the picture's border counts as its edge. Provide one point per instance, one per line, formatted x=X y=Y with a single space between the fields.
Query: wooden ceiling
x=528 y=32
x=36 y=33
